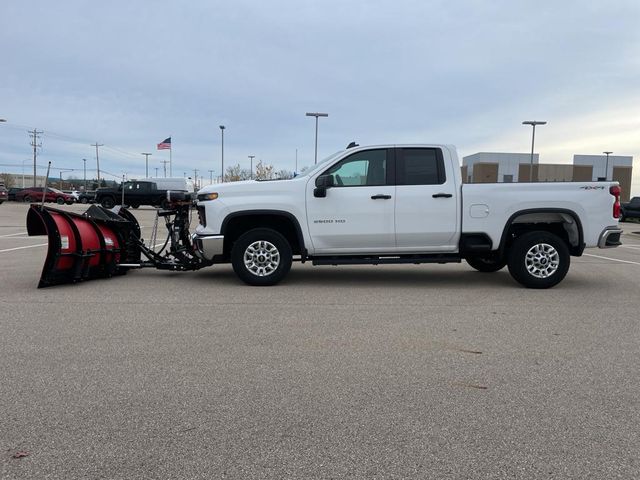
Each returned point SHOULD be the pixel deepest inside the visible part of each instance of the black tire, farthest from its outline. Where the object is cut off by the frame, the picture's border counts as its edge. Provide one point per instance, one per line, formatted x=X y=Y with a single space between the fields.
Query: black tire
x=268 y=270
x=84 y=200
x=60 y=201
x=539 y=259
x=487 y=263
x=108 y=202
x=165 y=204
x=134 y=205
x=27 y=199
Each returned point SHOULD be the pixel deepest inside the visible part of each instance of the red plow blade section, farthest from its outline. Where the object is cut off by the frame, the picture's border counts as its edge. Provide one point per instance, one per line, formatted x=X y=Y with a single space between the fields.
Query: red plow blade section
x=84 y=246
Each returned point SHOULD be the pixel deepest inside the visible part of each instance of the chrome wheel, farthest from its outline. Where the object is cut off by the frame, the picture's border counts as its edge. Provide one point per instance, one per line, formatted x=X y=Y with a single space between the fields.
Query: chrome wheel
x=261 y=258
x=542 y=260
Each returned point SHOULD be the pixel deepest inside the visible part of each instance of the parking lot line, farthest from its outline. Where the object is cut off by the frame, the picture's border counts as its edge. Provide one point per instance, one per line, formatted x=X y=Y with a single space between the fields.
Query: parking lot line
x=609 y=258
x=21 y=248
x=13 y=234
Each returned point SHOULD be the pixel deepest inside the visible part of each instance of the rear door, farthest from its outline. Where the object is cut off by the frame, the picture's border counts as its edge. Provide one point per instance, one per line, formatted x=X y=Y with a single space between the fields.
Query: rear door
x=426 y=211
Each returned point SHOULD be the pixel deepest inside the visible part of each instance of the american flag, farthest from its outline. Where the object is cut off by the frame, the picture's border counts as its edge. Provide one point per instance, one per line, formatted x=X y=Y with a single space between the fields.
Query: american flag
x=165 y=144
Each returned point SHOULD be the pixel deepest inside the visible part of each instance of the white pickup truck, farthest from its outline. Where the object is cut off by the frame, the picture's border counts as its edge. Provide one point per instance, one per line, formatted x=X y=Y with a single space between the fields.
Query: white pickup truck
x=403 y=204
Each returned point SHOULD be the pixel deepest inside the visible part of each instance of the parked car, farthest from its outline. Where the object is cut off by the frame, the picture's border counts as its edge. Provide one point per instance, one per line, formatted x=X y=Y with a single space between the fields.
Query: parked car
x=87 y=197
x=74 y=193
x=34 y=194
x=630 y=210
x=12 y=193
x=4 y=194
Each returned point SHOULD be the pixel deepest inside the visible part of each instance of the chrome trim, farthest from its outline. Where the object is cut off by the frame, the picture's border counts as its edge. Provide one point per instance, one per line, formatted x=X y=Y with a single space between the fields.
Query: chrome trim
x=604 y=236
x=208 y=246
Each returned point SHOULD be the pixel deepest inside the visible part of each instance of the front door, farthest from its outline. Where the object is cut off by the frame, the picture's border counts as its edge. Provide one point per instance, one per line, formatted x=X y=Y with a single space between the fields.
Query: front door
x=357 y=214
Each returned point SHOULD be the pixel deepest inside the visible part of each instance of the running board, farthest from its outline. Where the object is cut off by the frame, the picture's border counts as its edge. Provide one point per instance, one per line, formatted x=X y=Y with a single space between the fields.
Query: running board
x=386 y=260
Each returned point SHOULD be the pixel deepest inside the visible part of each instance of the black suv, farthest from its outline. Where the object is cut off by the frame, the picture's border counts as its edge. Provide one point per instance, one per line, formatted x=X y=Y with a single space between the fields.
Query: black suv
x=630 y=210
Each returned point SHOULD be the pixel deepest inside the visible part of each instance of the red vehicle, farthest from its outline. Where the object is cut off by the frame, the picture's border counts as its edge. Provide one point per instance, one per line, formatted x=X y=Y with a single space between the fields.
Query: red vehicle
x=34 y=194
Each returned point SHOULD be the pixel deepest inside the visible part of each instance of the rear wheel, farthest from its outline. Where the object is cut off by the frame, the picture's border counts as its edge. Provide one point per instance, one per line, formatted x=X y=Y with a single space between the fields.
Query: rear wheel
x=84 y=200
x=539 y=259
x=261 y=257
x=487 y=263
x=107 y=202
x=165 y=204
x=27 y=199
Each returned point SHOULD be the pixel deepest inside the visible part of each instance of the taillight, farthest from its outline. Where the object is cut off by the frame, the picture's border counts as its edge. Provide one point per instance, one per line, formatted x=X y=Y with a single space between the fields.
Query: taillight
x=615 y=191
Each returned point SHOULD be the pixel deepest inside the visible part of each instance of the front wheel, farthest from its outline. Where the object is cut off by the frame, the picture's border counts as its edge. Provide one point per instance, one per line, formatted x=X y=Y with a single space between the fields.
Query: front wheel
x=27 y=199
x=107 y=202
x=261 y=257
x=60 y=201
x=539 y=259
x=487 y=263
x=84 y=200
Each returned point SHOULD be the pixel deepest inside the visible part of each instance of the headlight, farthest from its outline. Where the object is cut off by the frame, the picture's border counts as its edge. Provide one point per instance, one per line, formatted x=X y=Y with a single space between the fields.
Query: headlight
x=207 y=196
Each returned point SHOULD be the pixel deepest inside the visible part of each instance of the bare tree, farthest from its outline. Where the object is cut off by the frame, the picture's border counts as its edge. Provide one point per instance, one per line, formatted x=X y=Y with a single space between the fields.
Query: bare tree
x=263 y=171
x=235 y=173
x=7 y=179
x=284 y=174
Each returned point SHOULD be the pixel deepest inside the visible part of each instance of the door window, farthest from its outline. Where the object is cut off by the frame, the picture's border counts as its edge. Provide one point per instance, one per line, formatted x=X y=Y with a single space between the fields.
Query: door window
x=420 y=166
x=368 y=168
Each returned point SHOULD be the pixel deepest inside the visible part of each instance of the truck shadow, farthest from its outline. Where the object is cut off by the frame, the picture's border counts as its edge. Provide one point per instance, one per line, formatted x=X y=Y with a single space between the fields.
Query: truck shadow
x=396 y=277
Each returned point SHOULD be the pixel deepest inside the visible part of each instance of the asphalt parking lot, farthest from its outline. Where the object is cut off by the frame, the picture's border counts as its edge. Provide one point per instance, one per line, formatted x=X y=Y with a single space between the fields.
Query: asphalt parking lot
x=433 y=371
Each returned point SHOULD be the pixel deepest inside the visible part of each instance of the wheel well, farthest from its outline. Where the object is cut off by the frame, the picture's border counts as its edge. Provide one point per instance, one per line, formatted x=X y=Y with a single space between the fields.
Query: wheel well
x=234 y=227
x=563 y=224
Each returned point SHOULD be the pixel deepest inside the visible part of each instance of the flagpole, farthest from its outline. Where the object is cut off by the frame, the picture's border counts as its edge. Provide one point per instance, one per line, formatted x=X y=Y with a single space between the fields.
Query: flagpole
x=170 y=157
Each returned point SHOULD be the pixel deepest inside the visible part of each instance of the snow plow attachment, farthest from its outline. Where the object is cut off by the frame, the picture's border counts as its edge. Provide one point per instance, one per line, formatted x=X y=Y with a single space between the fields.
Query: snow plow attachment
x=85 y=246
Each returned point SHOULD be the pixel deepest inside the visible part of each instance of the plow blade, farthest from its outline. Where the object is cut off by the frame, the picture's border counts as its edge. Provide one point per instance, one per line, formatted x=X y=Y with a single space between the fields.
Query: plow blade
x=84 y=246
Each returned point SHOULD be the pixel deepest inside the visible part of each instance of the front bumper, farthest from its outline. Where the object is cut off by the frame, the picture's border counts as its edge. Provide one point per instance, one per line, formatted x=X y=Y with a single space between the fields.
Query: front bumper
x=208 y=246
x=610 y=237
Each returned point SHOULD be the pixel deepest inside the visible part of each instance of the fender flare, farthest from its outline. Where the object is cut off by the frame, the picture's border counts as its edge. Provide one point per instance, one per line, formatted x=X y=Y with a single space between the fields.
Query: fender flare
x=577 y=250
x=280 y=213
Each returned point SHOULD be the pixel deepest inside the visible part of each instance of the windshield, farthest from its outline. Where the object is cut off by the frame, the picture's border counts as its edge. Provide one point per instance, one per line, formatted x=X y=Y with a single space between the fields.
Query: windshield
x=54 y=190
x=321 y=164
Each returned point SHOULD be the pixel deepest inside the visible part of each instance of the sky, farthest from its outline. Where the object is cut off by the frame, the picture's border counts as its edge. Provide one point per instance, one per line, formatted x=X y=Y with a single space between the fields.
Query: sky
x=129 y=74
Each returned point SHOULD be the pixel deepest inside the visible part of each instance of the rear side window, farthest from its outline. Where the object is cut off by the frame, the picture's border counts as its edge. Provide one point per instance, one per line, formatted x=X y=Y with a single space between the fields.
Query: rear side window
x=420 y=166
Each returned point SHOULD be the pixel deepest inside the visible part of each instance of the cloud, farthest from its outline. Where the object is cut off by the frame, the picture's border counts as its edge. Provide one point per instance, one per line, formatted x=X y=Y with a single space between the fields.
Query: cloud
x=464 y=72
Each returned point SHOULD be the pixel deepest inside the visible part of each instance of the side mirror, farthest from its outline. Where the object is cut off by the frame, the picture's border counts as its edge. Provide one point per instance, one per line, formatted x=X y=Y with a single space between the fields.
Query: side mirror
x=322 y=183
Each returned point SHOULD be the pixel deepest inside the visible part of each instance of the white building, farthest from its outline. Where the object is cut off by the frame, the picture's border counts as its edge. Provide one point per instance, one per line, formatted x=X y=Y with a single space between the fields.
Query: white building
x=508 y=163
x=599 y=164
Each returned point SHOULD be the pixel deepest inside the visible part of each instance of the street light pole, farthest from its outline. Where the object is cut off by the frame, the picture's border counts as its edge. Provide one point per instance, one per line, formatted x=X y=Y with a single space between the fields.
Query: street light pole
x=84 y=160
x=533 y=123
x=222 y=127
x=211 y=177
x=606 y=169
x=146 y=163
x=316 y=114
x=251 y=157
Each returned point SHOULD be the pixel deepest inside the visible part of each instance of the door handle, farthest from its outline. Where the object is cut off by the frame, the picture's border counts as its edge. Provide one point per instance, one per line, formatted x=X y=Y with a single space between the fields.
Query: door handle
x=380 y=197
x=442 y=195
